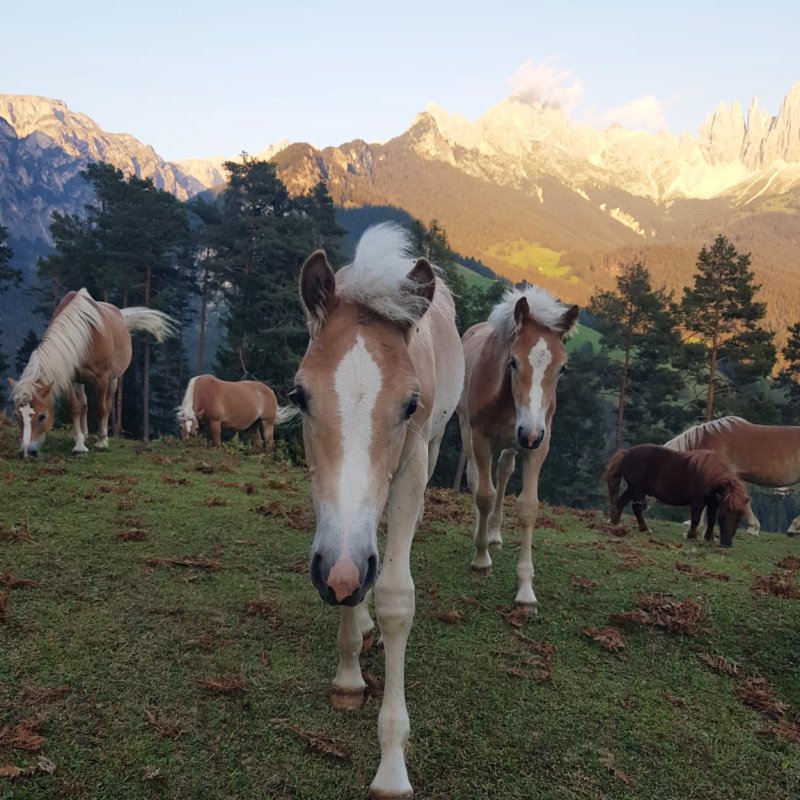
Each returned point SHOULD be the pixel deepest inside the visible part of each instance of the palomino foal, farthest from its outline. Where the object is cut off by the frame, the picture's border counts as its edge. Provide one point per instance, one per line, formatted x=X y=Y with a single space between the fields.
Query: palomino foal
x=378 y=383
x=513 y=363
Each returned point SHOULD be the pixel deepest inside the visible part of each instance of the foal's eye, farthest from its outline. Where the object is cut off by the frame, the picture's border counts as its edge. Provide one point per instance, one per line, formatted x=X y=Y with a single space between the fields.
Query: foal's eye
x=297 y=398
x=512 y=362
x=562 y=370
x=42 y=417
x=412 y=406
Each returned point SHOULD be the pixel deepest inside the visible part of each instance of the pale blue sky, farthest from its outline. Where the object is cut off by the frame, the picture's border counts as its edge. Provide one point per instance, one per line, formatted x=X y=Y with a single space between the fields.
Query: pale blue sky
x=214 y=78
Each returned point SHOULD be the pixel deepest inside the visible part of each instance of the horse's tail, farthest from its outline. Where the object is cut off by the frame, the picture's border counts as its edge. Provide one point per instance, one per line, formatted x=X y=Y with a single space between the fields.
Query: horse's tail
x=158 y=324
x=285 y=413
x=613 y=477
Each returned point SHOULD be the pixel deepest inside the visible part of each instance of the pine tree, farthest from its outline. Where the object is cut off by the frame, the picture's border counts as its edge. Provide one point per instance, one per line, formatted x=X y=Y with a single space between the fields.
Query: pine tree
x=720 y=311
x=8 y=277
x=29 y=344
x=637 y=320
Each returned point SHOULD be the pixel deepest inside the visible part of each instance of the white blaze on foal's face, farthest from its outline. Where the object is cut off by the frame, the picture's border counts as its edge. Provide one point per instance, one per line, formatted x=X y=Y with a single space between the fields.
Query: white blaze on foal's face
x=35 y=416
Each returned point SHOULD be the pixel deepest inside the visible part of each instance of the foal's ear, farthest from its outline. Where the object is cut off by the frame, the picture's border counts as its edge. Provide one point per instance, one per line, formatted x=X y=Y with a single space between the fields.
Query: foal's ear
x=521 y=312
x=317 y=290
x=11 y=382
x=566 y=325
x=421 y=284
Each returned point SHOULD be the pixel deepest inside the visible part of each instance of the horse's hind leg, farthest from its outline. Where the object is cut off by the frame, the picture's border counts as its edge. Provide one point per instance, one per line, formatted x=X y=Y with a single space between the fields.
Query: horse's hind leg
x=697 y=510
x=105 y=396
x=268 y=435
x=618 y=507
x=638 y=509
x=481 y=456
x=77 y=407
x=215 y=431
x=505 y=466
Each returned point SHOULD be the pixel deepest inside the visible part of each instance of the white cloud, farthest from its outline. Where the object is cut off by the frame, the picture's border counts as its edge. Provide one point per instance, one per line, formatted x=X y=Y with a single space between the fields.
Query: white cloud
x=644 y=112
x=548 y=85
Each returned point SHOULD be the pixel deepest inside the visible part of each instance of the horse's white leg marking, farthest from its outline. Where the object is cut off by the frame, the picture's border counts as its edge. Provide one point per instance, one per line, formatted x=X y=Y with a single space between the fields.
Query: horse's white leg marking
x=394 y=604
x=527 y=511
x=753 y=525
x=348 y=685
x=364 y=620
x=794 y=528
x=26 y=412
x=78 y=409
x=505 y=466
x=484 y=501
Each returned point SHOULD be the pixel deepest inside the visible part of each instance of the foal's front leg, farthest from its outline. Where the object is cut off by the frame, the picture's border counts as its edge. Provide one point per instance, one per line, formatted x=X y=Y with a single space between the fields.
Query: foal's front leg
x=356 y=633
x=527 y=511
x=711 y=517
x=697 y=509
x=394 y=605
x=505 y=466
x=481 y=458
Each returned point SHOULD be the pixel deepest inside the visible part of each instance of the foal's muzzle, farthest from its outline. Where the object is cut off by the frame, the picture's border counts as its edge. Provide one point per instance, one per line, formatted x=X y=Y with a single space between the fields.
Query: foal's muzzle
x=31 y=452
x=528 y=439
x=343 y=583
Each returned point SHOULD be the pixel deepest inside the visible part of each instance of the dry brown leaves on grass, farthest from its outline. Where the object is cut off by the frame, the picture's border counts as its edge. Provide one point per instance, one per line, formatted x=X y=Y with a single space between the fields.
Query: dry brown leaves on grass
x=207 y=643
x=263 y=608
x=677 y=616
x=607 y=760
x=697 y=572
x=584 y=583
x=200 y=562
x=550 y=524
x=9 y=581
x=320 y=743
x=608 y=638
x=171 y=481
x=719 y=664
x=39 y=695
x=784 y=729
x=451 y=617
x=166 y=729
x=272 y=509
x=42 y=764
x=229 y=685
x=214 y=502
x=442 y=505
x=543 y=661
x=24 y=736
x=755 y=693
x=5 y=602
x=791 y=563
x=132 y=535
x=19 y=533
x=781 y=583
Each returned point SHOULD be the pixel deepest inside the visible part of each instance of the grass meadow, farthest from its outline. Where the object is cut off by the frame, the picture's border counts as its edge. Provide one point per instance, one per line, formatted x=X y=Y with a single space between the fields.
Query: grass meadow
x=159 y=638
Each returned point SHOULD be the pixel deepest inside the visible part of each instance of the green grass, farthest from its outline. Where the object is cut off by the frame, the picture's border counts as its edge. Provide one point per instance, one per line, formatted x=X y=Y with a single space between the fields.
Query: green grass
x=582 y=335
x=474 y=279
x=125 y=635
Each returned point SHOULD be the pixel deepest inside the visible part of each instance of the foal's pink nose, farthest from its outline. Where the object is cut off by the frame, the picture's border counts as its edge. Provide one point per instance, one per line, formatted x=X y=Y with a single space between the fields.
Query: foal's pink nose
x=343 y=579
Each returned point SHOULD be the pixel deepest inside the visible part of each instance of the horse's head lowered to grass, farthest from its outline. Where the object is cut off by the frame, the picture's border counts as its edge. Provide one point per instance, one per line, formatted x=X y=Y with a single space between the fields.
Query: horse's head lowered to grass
x=359 y=392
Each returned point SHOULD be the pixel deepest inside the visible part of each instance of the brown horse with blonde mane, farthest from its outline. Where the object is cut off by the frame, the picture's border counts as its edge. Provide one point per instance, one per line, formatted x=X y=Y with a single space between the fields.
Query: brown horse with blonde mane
x=377 y=385
x=86 y=342
x=238 y=405
x=698 y=479
x=766 y=455
x=513 y=363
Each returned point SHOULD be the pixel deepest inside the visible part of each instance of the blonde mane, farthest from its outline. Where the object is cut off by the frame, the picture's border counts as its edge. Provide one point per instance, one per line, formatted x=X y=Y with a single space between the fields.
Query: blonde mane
x=186 y=408
x=544 y=309
x=377 y=278
x=691 y=438
x=62 y=349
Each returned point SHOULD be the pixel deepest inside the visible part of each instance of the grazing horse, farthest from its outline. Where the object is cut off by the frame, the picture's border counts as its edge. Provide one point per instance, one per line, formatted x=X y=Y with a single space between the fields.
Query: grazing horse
x=240 y=405
x=766 y=455
x=698 y=479
x=86 y=342
x=513 y=363
x=377 y=385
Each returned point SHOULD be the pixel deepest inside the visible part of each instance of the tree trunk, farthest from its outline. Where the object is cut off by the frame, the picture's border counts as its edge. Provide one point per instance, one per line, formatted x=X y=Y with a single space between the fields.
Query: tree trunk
x=201 y=340
x=118 y=414
x=146 y=366
x=623 y=385
x=712 y=376
x=462 y=463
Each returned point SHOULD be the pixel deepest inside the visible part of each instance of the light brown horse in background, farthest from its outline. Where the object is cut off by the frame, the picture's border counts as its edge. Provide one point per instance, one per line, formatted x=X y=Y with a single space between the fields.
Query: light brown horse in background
x=377 y=385
x=513 y=363
x=86 y=342
x=698 y=479
x=237 y=405
x=766 y=455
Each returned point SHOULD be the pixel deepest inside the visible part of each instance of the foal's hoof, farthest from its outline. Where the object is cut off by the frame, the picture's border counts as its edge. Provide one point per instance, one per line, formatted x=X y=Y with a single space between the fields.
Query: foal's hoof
x=529 y=609
x=367 y=640
x=495 y=539
x=101 y=444
x=481 y=572
x=381 y=796
x=346 y=699
x=80 y=452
